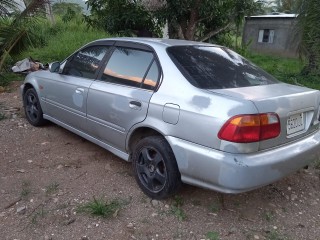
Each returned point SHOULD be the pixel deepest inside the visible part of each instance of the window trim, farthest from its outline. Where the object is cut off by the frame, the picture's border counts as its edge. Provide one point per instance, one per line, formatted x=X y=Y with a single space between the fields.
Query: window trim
x=92 y=44
x=134 y=46
x=261 y=35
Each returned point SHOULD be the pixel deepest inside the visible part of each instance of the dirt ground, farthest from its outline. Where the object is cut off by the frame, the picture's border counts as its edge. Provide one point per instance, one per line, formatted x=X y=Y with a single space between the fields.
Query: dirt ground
x=47 y=173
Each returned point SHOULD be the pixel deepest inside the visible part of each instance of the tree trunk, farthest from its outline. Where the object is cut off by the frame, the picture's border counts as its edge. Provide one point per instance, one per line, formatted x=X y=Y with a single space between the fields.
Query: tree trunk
x=49 y=13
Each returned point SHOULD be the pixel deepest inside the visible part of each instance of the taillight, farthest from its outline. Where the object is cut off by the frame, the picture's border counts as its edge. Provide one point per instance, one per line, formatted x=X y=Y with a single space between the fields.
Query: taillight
x=250 y=128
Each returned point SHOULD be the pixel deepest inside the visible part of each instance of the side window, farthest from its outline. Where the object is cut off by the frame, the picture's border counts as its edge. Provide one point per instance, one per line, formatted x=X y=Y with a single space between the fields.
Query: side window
x=85 y=63
x=129 y=67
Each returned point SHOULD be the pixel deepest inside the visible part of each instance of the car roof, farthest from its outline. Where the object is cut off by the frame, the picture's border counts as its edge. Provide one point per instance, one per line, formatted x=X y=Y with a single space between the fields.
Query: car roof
x=158 y=41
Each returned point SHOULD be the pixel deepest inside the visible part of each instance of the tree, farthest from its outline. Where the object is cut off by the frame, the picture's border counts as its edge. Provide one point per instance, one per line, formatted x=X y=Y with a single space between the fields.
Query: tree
x=122 y=17
x=6 y=6
x=287 y=6
x=62 y=8
x=15 y=31
x=308 y=28
x=203 y=19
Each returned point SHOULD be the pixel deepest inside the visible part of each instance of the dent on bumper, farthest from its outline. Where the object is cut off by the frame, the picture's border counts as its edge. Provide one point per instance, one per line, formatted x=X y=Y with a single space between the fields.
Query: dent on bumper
x=235 y=173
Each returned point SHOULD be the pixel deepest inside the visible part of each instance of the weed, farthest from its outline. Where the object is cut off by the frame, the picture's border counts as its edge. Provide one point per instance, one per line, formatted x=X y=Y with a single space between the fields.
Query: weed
x=26 y=190
x=179 y=213
x=196 y=202
x=317 y=164
x=39 y=214
x=52 y=188
x=268 y=216
x=214 y=207
x=178 y=201
x=176 y=208
x=2 y=116
x=237 y=204
x=274 y=235
x=212 y=235
x=99 y=207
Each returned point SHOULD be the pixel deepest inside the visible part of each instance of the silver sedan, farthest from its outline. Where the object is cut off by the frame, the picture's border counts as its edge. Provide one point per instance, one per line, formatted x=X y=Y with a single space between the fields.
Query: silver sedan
x=180 y=111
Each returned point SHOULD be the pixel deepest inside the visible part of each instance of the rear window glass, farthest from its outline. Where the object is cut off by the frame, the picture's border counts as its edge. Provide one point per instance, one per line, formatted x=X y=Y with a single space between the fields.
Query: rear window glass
x=217 y=67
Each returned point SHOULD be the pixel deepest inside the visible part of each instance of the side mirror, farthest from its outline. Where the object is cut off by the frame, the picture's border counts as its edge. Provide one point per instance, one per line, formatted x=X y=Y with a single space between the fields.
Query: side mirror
x=54 y=67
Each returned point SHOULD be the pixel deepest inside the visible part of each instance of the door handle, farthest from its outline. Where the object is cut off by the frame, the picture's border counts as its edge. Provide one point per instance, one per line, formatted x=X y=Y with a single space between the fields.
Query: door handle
x=79 y=90
x=135 y=104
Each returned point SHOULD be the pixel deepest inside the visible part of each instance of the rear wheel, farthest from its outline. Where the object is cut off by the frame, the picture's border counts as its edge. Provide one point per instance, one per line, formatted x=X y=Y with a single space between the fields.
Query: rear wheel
x=155 y=167
x=32 y=108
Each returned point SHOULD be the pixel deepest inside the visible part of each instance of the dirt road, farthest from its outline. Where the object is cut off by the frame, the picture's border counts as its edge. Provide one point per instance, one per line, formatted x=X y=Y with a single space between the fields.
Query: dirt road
x=47 y=173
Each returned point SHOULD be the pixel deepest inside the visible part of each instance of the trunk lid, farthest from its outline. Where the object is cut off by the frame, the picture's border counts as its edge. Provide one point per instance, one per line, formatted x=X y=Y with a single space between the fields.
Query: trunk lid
x=297 y=108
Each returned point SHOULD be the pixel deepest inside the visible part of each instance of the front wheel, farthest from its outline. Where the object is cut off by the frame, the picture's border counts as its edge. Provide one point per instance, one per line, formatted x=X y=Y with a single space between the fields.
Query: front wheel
x=32 y=108
x=155 y=167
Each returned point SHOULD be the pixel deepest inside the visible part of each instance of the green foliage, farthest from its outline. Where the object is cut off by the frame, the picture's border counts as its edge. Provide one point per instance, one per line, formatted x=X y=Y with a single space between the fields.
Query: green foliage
x=15 y=31
x=268 y=216
x=201 y=20
x=308 y=28
x=286 y=70
x=61 y=9
x=214 y=207
x=5 y=5
x=52 y=188
x=212 y=236
x=317 y=164
x=60 y=40
x=274 y=235
x=26 y=189
x=67 y=11
x=179 y=213
x=123 y=17
x=177 y=210
x=2 y=116
x=99 y=207
x=286 y=6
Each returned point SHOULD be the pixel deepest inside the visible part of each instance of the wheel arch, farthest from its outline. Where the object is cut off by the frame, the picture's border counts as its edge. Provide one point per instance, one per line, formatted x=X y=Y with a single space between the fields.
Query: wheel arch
x=26 y=87
x=138 y=134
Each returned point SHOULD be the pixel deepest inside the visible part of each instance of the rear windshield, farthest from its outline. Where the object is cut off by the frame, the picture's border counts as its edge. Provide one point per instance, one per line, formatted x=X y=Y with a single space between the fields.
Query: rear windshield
x=217 y=67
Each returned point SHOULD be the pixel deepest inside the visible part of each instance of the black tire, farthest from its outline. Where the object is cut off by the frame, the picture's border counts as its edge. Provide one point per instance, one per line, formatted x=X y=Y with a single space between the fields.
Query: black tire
x=32 y=108
x=155 y=168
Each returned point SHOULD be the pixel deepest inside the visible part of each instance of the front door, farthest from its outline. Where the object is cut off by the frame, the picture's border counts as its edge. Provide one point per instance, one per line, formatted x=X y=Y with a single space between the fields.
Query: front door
x=66 y=92
x=120 y=97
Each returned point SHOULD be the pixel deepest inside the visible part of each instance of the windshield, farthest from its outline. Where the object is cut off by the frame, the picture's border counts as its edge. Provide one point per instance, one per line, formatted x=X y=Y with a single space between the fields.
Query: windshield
x=217 y=67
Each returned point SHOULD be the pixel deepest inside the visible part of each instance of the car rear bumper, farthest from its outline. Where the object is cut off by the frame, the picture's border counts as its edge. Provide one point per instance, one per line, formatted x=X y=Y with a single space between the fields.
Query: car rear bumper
x=235 y=173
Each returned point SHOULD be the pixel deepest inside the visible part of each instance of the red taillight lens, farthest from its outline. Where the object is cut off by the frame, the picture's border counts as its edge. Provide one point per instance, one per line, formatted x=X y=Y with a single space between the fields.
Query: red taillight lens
x=250 y=128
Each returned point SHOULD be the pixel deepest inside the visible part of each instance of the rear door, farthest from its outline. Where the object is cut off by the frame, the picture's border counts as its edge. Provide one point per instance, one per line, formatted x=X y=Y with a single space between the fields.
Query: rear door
x=120 y=97
x=66 y=92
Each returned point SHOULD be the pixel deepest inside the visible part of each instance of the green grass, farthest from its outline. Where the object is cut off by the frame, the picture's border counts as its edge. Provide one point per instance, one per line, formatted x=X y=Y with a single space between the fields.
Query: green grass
x=286 y=70
x=177 y=210
x=52 y=188
x=6 y=78
x=215 y=207
x=99 y=207
x=317 y=164
x=268 y=216
x=212 y=235
x=60 y=40
x=26 y=189
x=2 y=116
x=274 y=235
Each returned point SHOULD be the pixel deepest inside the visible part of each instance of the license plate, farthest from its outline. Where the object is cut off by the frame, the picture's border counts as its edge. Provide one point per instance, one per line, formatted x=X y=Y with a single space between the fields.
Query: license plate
x=295 y=123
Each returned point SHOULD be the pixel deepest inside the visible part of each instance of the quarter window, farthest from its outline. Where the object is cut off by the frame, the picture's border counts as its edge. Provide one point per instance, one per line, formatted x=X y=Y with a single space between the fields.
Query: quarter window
x=152 y=77
x=85 y=63
x=131 y=67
